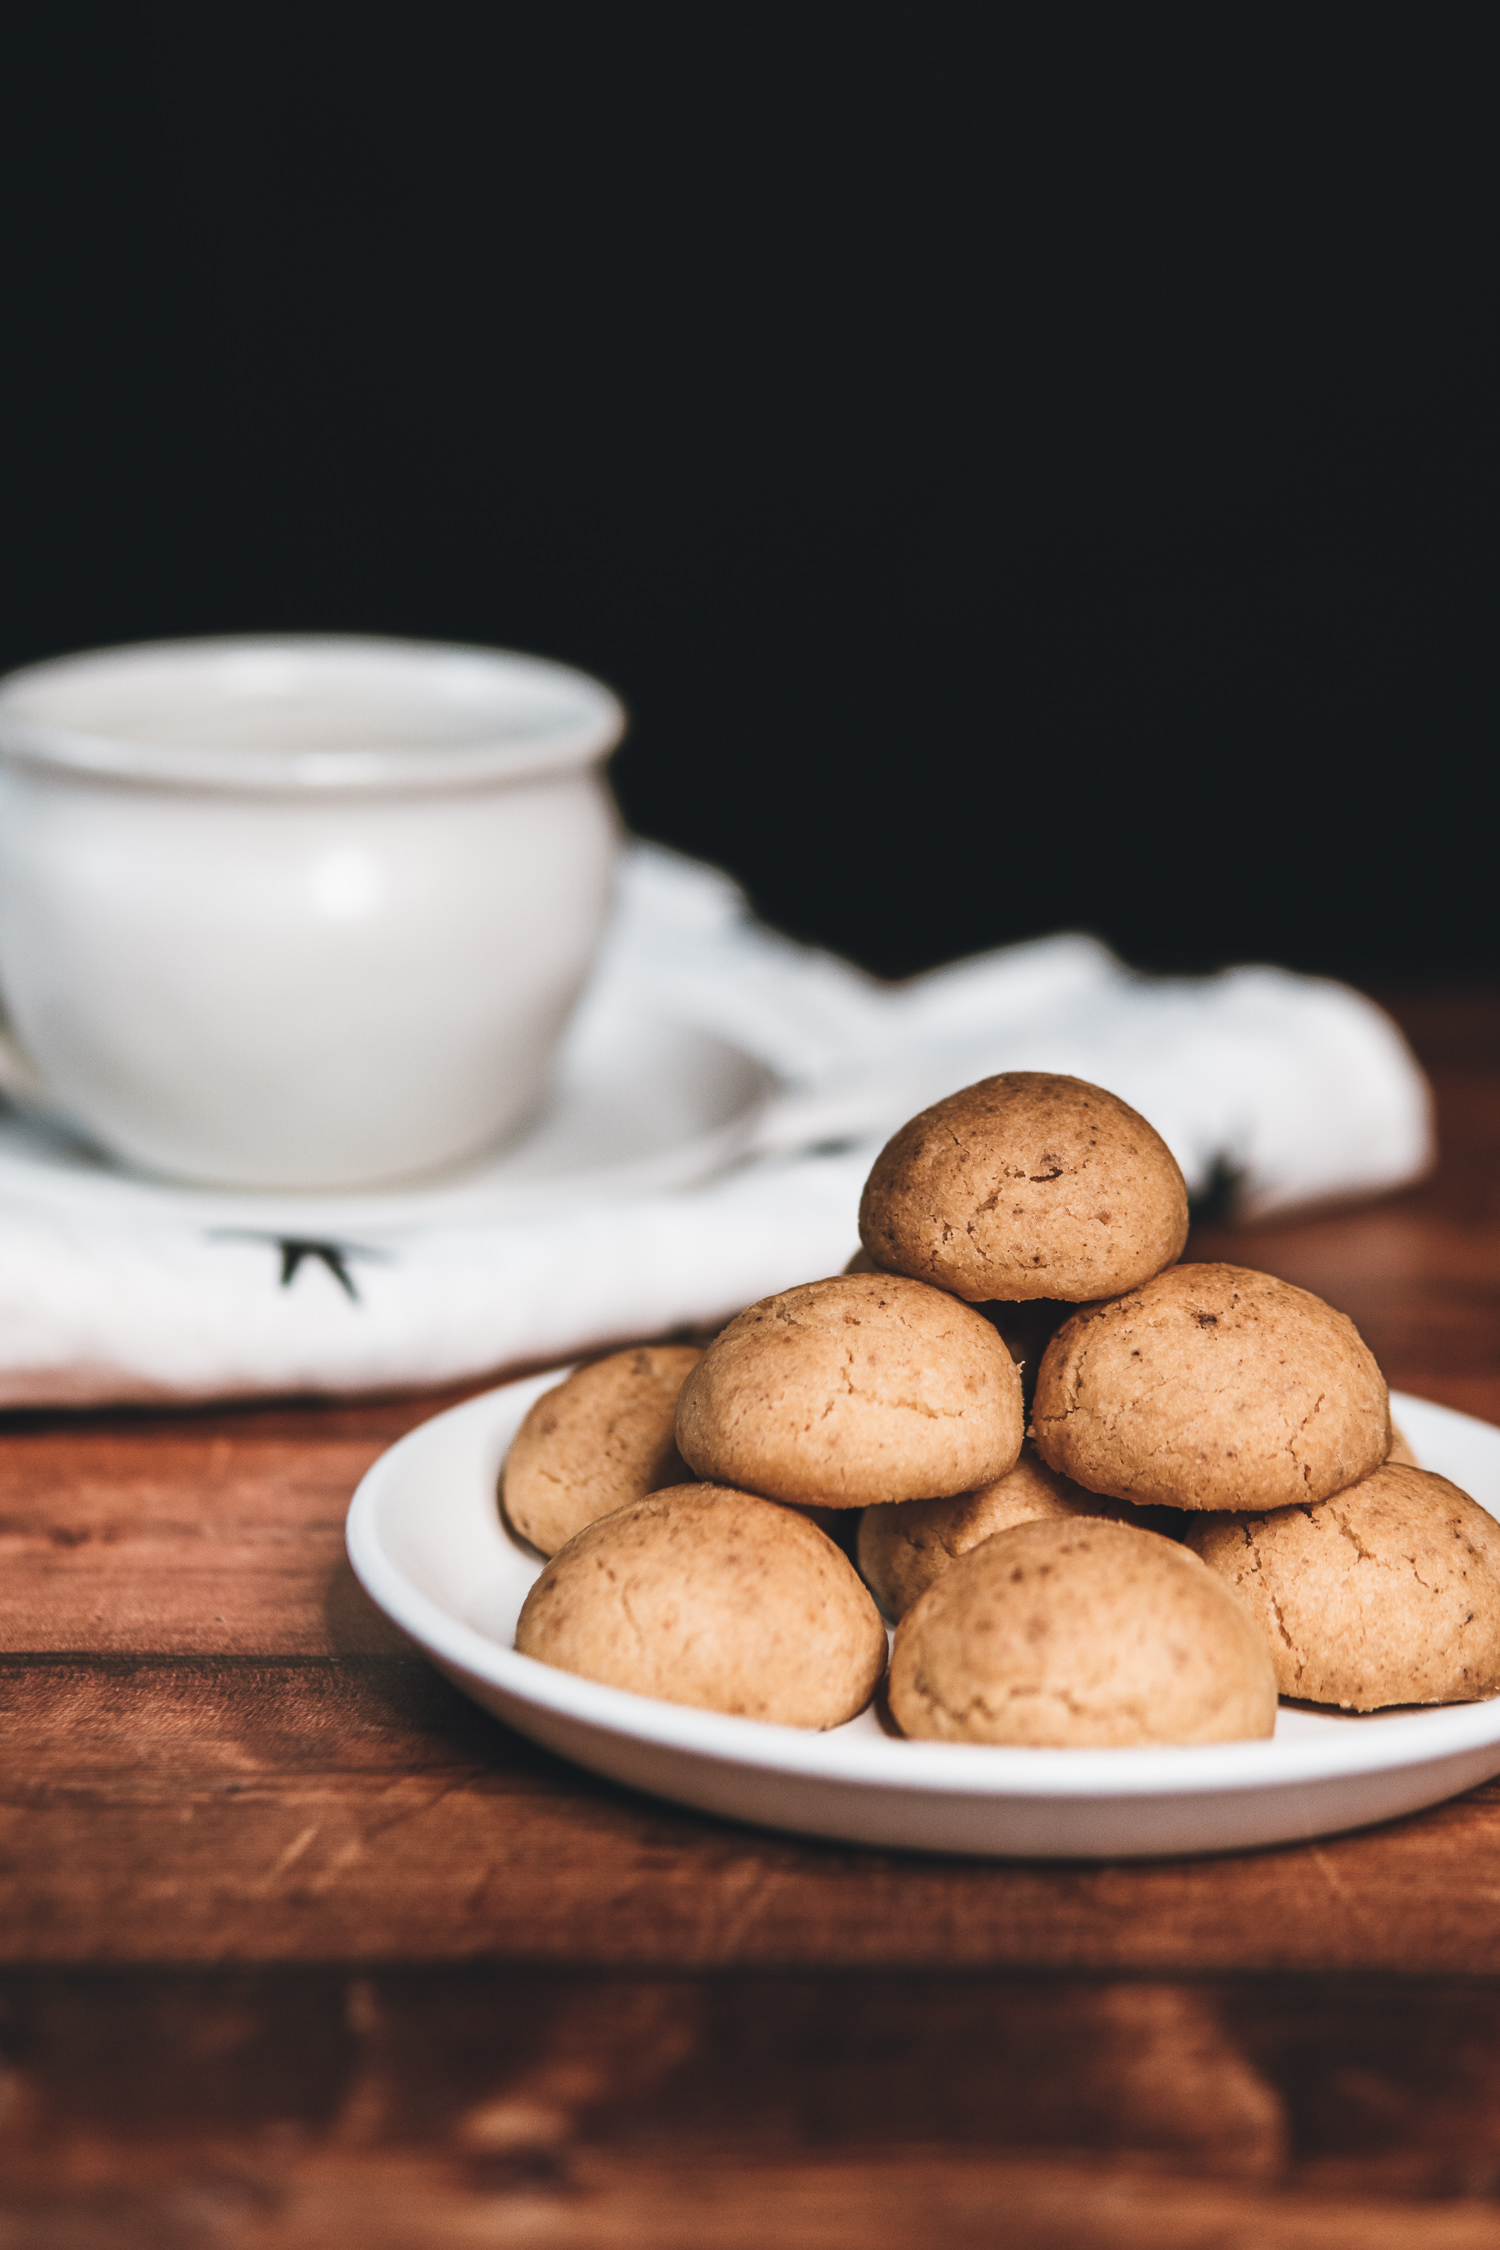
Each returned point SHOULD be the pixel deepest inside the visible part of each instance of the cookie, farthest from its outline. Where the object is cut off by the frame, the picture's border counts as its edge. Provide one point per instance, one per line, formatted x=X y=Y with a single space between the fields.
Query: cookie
x=1026 y=1185
x=905 y=1547
x=1387 y=1593
x=1066 y=1634
x=1212 y=1387
x=868 y=1387
x=715 y=1598
x=601 y=1438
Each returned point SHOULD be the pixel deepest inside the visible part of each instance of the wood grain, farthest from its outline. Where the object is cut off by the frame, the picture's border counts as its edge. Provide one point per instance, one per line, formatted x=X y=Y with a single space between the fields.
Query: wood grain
x=359 y=1810
x=485 y=2107
x=155 y=1537
x=876 y=2199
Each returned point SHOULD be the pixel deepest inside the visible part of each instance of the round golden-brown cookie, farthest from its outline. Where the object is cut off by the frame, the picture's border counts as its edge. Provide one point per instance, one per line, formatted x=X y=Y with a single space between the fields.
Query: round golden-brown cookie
x=1212 y=1387
x=1081 y=1632
x=705 y=1596
x=1026 y=1185
x=602 y=1437
x=904 y=1547
x=868 y=1387
x=1387 y=1593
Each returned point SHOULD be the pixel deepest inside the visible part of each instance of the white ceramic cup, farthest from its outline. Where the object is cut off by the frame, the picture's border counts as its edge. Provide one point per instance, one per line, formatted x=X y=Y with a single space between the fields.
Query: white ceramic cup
x=298 y=913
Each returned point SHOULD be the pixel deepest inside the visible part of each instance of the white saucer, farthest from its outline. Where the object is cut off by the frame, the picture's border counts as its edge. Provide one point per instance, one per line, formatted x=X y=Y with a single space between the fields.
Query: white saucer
x=427 y=1544
x=642 y=1101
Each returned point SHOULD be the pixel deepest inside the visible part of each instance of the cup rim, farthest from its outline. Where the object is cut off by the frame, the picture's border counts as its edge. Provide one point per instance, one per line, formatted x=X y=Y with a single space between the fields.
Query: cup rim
x=583 y=725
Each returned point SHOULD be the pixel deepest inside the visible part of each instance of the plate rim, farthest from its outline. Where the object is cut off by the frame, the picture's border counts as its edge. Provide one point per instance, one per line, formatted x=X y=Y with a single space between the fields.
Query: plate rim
x=1395 y=1740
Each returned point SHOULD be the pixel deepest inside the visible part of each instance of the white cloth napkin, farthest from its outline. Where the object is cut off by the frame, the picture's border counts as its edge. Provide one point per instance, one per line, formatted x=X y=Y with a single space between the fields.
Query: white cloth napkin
x=723 y=1093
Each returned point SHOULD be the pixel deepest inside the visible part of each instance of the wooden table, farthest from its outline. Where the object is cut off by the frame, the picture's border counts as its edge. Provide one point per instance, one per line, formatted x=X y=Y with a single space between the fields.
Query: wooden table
x=301 y=1950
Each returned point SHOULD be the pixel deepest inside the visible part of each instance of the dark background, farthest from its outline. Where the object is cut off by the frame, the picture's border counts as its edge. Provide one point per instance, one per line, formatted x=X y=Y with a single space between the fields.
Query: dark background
x=1021 y=467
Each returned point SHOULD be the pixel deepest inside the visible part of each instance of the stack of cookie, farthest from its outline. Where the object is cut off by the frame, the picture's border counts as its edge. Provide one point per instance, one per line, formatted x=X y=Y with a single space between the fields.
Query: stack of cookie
x=1205 y=1514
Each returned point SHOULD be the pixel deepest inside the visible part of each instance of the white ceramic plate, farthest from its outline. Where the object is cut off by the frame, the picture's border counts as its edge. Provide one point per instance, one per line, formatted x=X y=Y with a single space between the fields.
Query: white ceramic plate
x=426 y=1541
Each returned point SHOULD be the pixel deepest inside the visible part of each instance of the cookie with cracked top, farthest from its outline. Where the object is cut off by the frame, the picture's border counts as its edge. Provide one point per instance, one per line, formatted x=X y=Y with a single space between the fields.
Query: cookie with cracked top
x=600 y=1438
x=1074 y=1634
x=1026 y=1185
x=1212 y=1387
x=864 y=1388
x=713 y=1598
x=1387 y=1593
